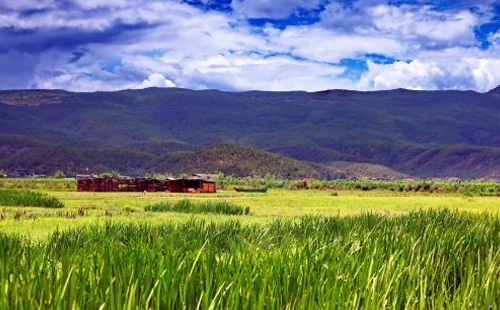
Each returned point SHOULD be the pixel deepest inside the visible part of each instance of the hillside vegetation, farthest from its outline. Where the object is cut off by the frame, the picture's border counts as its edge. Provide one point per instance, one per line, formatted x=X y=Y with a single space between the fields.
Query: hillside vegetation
x=242 y=161
x=418 y=133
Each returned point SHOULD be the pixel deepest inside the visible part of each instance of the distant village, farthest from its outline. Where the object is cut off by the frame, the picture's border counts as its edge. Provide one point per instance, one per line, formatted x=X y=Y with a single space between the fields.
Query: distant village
x=195 y=184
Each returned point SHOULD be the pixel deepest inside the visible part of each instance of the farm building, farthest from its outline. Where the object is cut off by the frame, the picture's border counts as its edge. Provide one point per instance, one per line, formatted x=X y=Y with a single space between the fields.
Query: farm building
x=150 y=185
x=96 y=184
x=89 y=183
x=191 y=186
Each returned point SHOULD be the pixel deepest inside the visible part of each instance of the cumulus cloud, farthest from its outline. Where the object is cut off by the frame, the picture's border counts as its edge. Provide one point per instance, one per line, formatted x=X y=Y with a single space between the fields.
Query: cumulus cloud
x=275 y=9
x=108 y=45
x=25 y=4
x=246 y=72
x=328 y=46
x=410 y=22
x=349 y=18
x=494 y=38
x=93 y=4
x=453 y=69
x=421 y=25
x=156 y=80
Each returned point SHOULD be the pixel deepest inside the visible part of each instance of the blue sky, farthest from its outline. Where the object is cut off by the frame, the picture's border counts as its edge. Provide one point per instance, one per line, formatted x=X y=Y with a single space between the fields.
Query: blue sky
x=89 y=45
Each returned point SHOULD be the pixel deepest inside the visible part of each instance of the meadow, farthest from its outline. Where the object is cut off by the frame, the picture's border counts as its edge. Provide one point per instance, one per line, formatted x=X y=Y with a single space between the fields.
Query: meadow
x=85 y=208
x=287 y=249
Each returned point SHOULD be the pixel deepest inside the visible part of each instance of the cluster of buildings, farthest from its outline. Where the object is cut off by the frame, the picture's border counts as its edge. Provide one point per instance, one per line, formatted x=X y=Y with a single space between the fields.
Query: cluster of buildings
x=90 y=183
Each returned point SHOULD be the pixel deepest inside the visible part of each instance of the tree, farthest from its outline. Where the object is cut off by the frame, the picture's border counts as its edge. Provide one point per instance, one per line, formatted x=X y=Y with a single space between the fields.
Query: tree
x=269 y=177
x=59 y=174
x=112 y=174
x=3 y=174
x=220 y=178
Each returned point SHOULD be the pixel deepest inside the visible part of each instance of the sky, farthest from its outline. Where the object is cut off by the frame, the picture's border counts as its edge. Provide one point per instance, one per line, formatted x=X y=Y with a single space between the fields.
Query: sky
x=238 y=45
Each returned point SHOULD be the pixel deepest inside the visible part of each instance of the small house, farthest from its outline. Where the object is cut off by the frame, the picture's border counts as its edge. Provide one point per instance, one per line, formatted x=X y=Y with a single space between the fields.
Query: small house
x=191 y=186
x=92 y=184
x=150 y=185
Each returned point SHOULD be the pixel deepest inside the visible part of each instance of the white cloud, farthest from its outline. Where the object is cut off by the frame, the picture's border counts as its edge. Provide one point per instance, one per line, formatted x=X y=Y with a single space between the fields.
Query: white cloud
x=417 y=24
x=494 y=38
x=26 y=4
x=156 y=80
x=413 y=22
x=340 y=16
x=276 y=9
x=433 y=74
x=245 y=72
x=208 y=49
x=93 y=4
x=323 y=45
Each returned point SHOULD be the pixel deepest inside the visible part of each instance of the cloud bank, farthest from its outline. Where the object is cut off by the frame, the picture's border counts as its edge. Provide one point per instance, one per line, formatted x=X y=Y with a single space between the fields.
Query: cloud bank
x=250 y=44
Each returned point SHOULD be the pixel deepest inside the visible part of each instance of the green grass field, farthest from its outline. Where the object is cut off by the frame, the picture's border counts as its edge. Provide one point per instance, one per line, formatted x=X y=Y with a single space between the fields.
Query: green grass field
x=297 y=249
x=38 y=223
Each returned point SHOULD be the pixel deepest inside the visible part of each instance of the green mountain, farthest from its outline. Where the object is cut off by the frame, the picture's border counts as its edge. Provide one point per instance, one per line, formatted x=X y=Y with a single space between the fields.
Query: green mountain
x=418 y=133
x=232 y=159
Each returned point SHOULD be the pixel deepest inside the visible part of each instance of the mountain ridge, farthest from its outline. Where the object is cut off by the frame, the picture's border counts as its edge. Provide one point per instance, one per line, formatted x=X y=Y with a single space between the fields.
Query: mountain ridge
x=418 y=133
x=495 y=90
x=5 y=92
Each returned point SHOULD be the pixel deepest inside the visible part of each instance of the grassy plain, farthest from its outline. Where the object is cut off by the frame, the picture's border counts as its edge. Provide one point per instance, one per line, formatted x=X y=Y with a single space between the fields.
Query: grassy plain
x=420 y=260
x=298 y=249
x=84 y=208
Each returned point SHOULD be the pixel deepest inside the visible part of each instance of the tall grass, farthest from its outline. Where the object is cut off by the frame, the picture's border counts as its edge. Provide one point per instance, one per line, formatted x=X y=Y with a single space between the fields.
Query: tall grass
x=23 y=198
x=38 y=183
x=471 y=188
x=424 y=260
x=187 y=206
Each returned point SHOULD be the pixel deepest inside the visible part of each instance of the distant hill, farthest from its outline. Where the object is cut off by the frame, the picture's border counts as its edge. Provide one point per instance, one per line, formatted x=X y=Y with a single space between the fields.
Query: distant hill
x=401 y=132
x=232 y=159
x=350 y=170
x=495 y=90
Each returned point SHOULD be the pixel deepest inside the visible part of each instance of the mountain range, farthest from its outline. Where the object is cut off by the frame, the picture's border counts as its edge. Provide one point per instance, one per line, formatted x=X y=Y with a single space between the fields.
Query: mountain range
x=328 y=134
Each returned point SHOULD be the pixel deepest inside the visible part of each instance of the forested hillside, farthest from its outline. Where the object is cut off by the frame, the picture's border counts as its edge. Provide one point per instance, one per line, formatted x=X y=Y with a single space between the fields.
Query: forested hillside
x=418 y=133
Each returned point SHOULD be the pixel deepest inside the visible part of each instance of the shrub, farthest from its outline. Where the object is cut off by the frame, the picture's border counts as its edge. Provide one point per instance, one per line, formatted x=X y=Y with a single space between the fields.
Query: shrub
x=111 y=174
x=297 y=185
x=59 y=174
x=186 y=206
x=20 y=198
x=38 y=184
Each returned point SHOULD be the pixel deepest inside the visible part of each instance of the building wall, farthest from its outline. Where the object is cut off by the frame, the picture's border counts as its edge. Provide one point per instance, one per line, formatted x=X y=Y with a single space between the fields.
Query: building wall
x=173 y=186
x=191 y=186
x=209 y=187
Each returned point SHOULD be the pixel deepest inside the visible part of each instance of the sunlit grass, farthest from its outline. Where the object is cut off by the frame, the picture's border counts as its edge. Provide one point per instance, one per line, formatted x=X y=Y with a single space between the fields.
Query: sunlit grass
x=421 y=260
x=284 y=204
x=187 y=206
x=24 y=198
